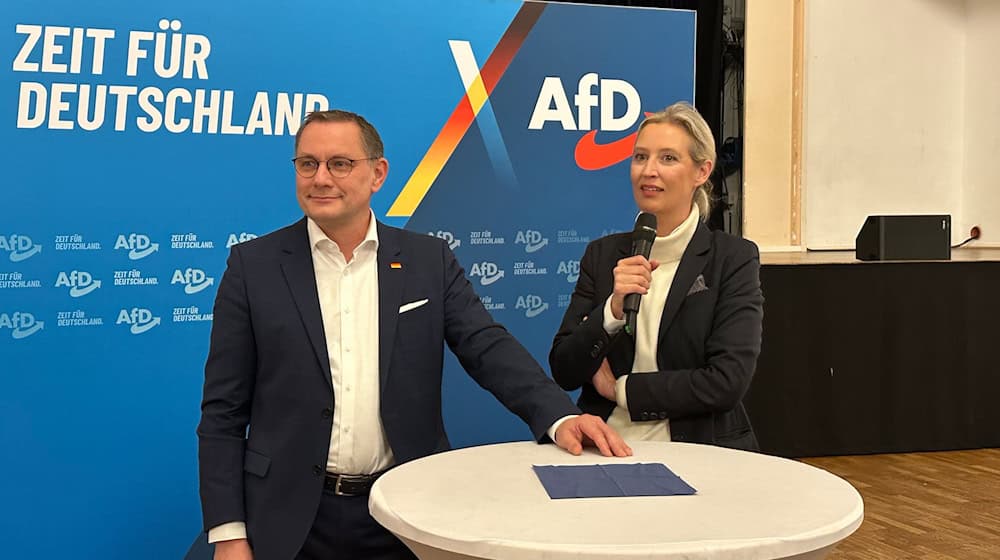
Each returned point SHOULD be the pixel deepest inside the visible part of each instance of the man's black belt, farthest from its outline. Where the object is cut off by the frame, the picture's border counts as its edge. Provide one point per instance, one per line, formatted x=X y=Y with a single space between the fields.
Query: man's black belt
x=350 y=484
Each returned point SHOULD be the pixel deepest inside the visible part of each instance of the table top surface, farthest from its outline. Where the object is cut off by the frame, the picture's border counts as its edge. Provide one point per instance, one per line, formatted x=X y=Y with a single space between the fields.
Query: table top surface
x=486 y=501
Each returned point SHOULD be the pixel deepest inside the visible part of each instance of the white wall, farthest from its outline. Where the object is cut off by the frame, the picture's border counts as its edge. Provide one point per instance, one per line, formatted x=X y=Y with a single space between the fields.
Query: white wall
x=981 y=195
x=767 y=167
x=884 y=113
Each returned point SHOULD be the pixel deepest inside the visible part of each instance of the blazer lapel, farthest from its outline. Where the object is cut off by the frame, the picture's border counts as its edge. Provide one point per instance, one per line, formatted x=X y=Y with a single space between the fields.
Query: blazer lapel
x=692 y=264
x=297 y=266
x=624 y=248
x=391 y=271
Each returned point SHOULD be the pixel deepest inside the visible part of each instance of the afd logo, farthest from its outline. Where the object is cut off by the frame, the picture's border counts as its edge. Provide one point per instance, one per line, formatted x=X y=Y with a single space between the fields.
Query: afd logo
x=487 y=272
x=80 y=283
x=193 y=279
x=448 y=237
x=22 y=324
x=139 y=245
x=553 y=105
x=531 y=239
x=20 y=247
x=531 y=304
x=138 y=319
x=571 y=269
x=235 y=238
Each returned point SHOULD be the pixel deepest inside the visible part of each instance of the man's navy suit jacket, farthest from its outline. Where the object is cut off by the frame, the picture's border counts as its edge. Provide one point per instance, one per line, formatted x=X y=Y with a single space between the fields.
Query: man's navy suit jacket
x=268 y=401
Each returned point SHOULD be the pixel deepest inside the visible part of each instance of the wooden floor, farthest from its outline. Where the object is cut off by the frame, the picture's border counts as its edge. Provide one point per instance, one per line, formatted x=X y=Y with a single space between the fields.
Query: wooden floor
x=923 y=505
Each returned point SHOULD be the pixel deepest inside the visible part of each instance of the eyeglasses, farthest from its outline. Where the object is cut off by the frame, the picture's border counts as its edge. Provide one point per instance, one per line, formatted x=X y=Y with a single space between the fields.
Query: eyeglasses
x=339 y=167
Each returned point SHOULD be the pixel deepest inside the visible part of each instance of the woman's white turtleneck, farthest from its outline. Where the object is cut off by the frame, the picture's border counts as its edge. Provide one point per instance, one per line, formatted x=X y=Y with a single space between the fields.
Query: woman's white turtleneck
x=668 y=250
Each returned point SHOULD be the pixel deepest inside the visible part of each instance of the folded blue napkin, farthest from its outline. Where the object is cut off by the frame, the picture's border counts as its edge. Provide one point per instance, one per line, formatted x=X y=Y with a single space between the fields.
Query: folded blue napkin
x=613 y=480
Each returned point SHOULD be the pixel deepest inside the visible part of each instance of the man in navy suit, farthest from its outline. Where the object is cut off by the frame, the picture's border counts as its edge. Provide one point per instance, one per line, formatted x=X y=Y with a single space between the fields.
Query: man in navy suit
x=326 y=358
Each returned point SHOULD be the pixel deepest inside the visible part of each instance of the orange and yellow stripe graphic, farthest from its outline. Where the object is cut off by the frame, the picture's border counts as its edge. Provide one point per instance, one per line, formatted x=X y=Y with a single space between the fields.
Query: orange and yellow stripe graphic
x=465 y=113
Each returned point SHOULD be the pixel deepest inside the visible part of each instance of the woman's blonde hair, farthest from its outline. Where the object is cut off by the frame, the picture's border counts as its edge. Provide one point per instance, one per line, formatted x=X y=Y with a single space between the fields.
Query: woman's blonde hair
x=702 y=145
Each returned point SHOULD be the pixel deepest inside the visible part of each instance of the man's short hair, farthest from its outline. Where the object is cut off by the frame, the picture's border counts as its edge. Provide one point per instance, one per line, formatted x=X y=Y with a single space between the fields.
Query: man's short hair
x=370 y=139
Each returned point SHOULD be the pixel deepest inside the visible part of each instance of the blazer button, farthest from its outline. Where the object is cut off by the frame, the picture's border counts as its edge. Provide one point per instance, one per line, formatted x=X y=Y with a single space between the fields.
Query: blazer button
x=327 y=412
x=663 y=415
x=644 y=416
x=595 y=351
x=317 y=470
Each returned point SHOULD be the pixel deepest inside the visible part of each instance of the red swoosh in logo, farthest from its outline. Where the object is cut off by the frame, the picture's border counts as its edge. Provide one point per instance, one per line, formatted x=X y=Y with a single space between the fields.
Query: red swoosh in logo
x=592 y=156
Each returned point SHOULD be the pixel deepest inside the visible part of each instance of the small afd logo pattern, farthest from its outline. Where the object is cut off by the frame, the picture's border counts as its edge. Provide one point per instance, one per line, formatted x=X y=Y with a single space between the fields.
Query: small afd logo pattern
x=95 y=274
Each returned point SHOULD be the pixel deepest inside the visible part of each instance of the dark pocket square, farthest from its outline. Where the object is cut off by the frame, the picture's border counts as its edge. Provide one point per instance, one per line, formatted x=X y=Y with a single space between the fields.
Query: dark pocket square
x=698 y=285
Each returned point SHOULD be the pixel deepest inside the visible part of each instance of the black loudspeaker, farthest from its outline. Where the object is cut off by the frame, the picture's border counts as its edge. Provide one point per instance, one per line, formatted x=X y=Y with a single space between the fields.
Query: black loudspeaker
x=904 y=238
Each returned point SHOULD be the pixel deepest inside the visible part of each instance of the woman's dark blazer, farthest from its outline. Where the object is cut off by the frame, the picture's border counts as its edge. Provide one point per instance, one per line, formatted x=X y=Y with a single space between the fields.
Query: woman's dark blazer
x=707 y=349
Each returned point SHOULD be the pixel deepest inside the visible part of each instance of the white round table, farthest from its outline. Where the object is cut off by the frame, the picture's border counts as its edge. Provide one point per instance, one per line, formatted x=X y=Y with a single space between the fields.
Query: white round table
x=486 y=502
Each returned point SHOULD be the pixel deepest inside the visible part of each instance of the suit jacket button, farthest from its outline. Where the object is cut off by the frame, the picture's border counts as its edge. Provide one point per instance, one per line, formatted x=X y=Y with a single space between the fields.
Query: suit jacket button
x=595 y=351
x=317 y=470
x=644 y=416
x=327 y=412
x=663 y=415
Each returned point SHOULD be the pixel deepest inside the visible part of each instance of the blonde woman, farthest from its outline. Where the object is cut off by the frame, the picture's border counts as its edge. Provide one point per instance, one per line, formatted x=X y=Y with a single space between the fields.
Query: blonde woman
x=683 y=375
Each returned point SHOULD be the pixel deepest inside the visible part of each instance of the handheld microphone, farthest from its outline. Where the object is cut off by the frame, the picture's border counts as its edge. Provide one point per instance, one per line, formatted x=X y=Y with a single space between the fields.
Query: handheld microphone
x=643 y=237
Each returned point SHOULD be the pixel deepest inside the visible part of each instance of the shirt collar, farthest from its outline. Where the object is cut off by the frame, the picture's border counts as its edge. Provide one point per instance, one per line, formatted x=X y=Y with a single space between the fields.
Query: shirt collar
x=316 y=235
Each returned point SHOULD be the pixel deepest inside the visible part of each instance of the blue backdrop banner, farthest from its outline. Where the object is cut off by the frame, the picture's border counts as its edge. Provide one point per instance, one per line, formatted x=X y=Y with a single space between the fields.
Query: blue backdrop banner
x=141 y=142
